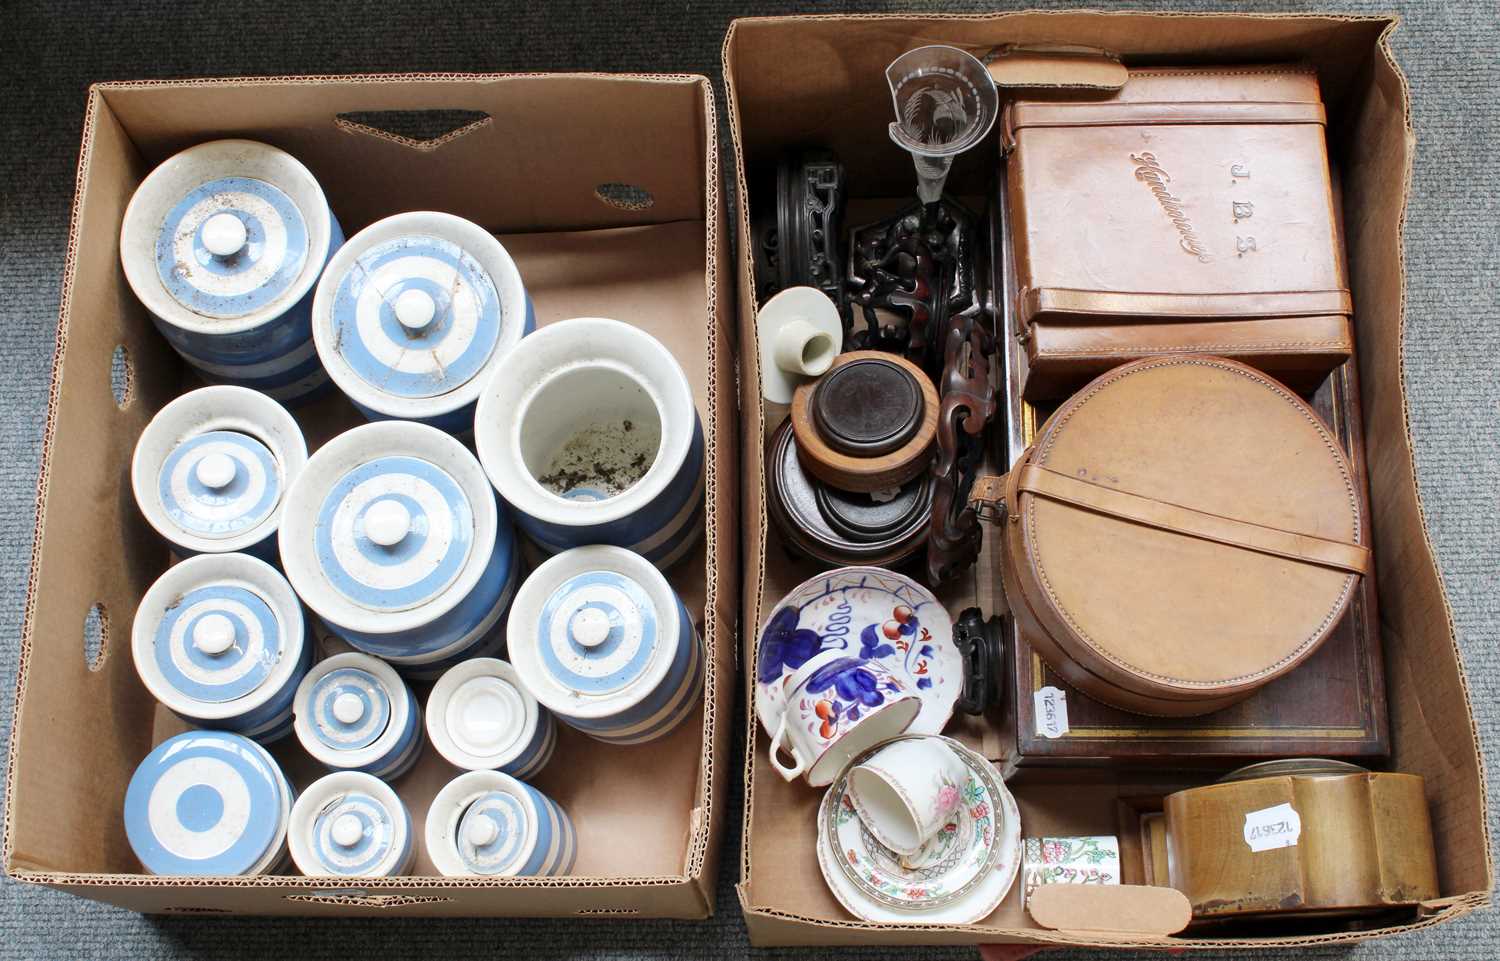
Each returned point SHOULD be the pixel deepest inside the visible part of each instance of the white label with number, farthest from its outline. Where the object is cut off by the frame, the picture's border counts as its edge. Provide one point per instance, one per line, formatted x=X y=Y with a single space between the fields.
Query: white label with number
x=1273 y=827
x=1051 y=708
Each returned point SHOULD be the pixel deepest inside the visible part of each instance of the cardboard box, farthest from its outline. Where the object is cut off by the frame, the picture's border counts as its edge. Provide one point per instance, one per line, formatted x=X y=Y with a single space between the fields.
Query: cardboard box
x=533 y=158
x=820 y=80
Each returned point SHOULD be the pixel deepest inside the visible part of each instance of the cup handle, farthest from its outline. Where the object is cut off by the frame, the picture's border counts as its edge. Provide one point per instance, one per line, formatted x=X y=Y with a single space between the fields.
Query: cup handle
x=790 y=772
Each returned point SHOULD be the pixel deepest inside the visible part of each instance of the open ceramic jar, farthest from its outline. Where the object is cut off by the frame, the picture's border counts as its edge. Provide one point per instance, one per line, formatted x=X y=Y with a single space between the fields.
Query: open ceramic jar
x=590 y=433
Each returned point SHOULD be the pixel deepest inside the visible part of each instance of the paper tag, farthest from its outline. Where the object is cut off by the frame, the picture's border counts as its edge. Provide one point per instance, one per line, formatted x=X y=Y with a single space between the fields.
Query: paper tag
x=1051 y=708
x=1272 y=828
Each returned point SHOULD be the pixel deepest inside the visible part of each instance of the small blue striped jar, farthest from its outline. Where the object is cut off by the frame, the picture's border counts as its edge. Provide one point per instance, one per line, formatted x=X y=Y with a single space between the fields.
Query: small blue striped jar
x=211 y=469
x=414 y=313
x=350 y=825
x=599 y=637
x=208 y=803
x=490 y=824
x=353 y=712
x=224 y=243
x=392 y=535
x=480 y=716
x=221 y=641
x=590 y=433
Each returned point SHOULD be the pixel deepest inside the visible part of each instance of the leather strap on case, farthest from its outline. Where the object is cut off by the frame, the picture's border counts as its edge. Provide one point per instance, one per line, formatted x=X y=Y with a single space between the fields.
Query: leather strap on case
x=1082 y=113
x=1168 y=307
x=1323 y=552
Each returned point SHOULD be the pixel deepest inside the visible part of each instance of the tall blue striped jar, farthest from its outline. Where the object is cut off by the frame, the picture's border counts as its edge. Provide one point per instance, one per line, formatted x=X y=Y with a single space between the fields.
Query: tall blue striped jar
x=208 y=803
x=220 y=640
x=489 y=824
x=350 y=825
x=224 y=243
x=599 y=637
x=415 y=312
x=392 y=535
x=590 y=432
x=354 y=712
x=211 y=468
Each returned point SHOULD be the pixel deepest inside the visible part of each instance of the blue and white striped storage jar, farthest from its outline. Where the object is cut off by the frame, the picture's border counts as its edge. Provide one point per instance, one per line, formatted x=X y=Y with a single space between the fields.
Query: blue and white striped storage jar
x=223 y=244
x=590 y=433
x=393 y=536
x=221 y=641
x=352 y=825
x=208 y=803
x=211 y=469
x=599 y=637
x=414 y=313
x=353 y=712
x=490 y=824
x=480 y=716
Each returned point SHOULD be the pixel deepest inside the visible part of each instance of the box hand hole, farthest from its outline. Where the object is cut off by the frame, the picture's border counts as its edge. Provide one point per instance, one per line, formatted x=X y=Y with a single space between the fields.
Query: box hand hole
x=121 y=377
x=95 y=636
x=420 y=129
x=624 y=196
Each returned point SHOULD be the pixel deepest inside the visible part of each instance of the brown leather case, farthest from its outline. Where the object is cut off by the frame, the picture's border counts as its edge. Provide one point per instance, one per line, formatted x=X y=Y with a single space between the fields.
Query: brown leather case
x=1189 y=212
x=1183 y=531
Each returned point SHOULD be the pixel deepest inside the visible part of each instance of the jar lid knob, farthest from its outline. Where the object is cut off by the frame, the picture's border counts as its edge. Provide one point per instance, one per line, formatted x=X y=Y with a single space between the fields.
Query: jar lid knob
x=213 y=634
x=387 y=522
x=224 y=234
x=215 y=471
x=347 y=830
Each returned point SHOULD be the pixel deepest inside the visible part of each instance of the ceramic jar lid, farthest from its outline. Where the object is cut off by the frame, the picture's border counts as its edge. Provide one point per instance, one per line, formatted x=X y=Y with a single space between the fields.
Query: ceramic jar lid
x=218 y=637
x=480 y=715
x=350 y=824
x=211 y=468
x=594 y=631
x=1183 y=531
x=354 y=711
x=207 y=803
x=389 y=527
x=490 y=824
x=415 y=310
x=225 y=236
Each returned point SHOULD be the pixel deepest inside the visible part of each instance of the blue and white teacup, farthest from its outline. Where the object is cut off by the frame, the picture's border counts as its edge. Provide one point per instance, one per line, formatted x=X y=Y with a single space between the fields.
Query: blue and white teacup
x=599 y=637
x=352 y=825
x=393 y=536
x=353 y=712
x=223 y=243
x=211 y=468
x=480 y=716
x=415 y=312
x=221 y=641
x=208 y=803
x=589 y=431
x=490 y=824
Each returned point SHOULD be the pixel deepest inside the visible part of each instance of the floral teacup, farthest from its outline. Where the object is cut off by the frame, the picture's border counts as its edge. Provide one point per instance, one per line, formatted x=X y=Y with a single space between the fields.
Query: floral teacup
x=907 y=791
x=837 y=707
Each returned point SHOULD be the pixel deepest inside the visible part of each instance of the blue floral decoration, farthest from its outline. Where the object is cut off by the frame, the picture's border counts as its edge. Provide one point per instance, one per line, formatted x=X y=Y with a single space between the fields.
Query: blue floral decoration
x=870 y=646
x=784 y=645
x=853 y=686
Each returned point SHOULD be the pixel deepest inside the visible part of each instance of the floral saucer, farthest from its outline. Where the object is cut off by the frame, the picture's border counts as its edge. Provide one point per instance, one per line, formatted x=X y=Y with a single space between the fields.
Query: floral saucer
x=958 y=877
x=874 y=614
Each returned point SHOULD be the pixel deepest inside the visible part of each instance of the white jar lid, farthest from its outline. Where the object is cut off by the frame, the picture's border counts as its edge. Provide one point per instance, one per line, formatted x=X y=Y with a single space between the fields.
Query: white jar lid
x=350 y=824
x=480 y=716
x=211 y=469
x=351 y=710
x=225 y=236
x=390 y=526
x=207 y=803
x=593 y=631
x=415 y=311
x=217 y=636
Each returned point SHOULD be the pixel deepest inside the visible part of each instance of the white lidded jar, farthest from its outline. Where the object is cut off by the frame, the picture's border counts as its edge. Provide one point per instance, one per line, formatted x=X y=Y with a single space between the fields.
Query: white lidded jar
x=599 y=637
x=223 y=243
x=350 y=824
x=490 y=824
x=221 y=641
x=394 y=538
x=211 y=469
x=415 y=312
x=480 y=716
x=208 y=803
x=353 y=712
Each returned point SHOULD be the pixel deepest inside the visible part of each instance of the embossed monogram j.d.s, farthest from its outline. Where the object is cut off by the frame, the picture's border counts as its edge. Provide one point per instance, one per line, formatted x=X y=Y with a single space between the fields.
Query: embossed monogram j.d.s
x=1149 y=171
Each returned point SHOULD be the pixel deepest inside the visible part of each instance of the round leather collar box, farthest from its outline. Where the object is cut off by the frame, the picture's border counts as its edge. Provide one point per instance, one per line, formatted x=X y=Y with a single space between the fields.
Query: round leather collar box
x=1184 y=530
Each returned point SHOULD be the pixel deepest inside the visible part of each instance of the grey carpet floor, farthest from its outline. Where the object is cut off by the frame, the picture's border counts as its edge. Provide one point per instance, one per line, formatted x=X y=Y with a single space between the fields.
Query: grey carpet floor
x=49 y=52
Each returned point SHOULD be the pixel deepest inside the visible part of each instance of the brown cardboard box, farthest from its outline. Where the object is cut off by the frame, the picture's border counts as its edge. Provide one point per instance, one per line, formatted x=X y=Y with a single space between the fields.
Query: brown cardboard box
x=820 y=80
x=529 y=164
